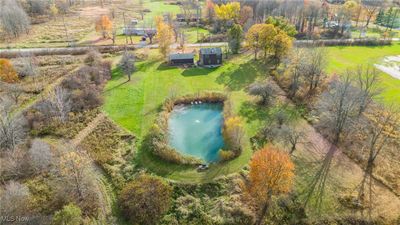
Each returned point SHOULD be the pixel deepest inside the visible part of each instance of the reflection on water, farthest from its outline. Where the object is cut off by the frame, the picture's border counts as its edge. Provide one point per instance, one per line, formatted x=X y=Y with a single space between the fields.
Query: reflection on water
x=195 y=130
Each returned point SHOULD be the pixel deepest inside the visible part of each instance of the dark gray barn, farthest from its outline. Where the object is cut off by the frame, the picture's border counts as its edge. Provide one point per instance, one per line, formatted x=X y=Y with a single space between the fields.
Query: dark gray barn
x=181 y=59
x=210 y=57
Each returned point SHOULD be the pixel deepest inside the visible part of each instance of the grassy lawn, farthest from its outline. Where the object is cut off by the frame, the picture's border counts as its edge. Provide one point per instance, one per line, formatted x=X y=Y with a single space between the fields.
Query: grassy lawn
x=157 y=8
x=135 y=104
x=191 y=34
x=342 y=58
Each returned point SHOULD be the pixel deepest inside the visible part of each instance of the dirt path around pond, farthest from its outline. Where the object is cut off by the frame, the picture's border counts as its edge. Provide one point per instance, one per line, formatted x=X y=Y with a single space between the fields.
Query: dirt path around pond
x=344 y=172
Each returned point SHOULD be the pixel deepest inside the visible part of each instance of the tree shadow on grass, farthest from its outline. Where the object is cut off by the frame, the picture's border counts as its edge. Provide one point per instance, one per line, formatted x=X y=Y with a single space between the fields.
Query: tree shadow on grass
x=242 y=76
x=197 y=71
x=144 y=65
x=165 y=66
x=252 y=112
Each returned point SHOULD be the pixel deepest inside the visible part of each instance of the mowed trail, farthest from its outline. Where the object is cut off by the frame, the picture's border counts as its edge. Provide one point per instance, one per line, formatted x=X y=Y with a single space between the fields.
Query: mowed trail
x=344 y=173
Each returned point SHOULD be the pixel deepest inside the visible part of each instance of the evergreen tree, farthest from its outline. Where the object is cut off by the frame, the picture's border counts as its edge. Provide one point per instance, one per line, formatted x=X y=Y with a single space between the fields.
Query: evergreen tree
x=380 y=17
x=235 y=35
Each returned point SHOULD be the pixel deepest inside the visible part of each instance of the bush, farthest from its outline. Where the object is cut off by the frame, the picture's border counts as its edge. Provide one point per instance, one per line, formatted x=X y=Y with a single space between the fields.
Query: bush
x=145 y=200
x=93 y=58
x=69 y=215
x=226 y=155
x=7 y=72
x=86 y=86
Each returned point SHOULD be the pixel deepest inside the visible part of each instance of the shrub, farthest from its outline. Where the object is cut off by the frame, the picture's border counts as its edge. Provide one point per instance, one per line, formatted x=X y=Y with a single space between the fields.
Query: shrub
x=7 y=72
x=93 y=58
x=145 y=200
x=86 y=86
x=226 y=155
x=69 y=215
x=233 y=135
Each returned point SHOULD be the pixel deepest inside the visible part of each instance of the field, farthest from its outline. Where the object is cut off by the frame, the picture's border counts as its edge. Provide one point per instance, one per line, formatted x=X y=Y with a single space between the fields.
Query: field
x=80 y=25
x=134 y=105
x=343 y=58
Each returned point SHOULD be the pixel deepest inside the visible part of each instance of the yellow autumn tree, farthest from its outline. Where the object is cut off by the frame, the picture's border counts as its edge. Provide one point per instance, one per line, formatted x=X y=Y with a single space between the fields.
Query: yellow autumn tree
x=281 y=45
x=104 y=26
x=261 y=37
x=271 y=173
x=165 y=36
x=7 y=72
x=229 y=11
x=233 y=136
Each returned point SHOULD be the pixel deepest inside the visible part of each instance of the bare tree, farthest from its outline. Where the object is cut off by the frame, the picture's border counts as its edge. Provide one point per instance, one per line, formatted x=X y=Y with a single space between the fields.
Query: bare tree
x=314 y=66
x=13 y=18
x=40 y=157
x=338 y=105
x=60 y=104
x=74 y=168
x=150 y=33
x=11 y=130
x=293 y=137
x=14 y=91
x=14 y=201
x=371 y=9
x=187 y=7
x=381 y=127
x=27 y=66
x=295 y=69
x=265 y=90
x=367 y=82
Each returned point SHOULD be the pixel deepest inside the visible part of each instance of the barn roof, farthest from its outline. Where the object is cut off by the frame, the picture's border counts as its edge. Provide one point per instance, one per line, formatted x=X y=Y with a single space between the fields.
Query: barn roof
x=181 y=56
x=208 y=51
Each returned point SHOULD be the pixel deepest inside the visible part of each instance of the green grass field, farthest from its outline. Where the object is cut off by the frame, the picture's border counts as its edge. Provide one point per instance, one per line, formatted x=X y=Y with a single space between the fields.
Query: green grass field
x=342 y=58
x=135 y=104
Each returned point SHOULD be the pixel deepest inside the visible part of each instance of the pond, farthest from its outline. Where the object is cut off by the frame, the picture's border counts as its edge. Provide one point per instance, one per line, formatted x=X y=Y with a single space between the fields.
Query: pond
x=196 y=130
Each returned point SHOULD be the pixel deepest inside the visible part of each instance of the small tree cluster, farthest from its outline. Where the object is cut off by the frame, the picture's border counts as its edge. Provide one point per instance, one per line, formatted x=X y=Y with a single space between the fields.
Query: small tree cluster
x=271 y=40
x=13 y=19
x=306 y=71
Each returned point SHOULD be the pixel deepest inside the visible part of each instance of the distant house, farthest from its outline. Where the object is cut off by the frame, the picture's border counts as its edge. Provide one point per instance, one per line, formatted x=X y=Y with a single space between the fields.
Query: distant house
x=134 y=22
x=182 y=18
x=181 y=59
x=138 y=31
x=210 y=57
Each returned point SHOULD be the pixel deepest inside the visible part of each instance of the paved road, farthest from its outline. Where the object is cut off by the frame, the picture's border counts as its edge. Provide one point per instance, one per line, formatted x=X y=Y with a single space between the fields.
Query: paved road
x=11 y=53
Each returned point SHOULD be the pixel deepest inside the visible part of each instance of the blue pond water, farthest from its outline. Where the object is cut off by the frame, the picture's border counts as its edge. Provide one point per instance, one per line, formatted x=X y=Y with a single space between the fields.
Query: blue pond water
x=195 y=130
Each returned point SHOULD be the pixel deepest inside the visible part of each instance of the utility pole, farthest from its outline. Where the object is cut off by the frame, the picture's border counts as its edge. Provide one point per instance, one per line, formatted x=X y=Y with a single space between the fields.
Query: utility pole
x=125 y=29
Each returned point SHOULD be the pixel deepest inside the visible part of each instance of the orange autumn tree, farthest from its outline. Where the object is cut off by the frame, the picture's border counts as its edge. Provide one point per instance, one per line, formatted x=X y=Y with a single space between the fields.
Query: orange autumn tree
x=7 y=72
x=271 y=173
x=104 y=26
